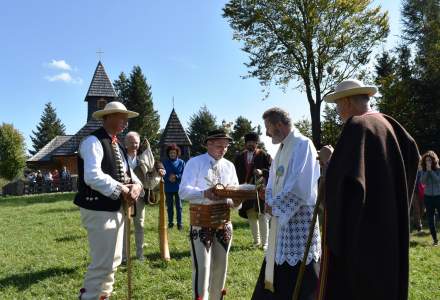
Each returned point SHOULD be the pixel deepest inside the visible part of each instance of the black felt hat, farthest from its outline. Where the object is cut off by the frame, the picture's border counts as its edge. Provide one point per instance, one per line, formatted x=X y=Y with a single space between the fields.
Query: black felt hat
x=251 y=136
x=217 y=134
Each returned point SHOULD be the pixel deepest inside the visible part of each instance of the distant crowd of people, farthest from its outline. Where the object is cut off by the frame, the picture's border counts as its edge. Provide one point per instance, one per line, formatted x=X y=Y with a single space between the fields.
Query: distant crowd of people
x=48 y=181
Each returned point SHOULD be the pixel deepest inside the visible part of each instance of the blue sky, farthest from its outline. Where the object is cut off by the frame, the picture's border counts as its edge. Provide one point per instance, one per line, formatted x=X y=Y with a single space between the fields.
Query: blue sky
x=185 y=49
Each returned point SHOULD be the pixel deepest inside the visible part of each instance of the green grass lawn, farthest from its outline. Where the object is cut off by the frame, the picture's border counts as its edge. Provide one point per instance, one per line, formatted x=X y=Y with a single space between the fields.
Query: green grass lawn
x=43 y=255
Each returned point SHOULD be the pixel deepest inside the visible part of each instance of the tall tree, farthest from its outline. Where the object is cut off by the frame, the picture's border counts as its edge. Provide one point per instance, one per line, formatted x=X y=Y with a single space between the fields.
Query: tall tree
x=421 y=27
x=331 y=125
x=49 y=127
x=408 y=83
x=12 y=152
x=317 y=42
x=140 y=100
x=200 y=123
x=241 y=127
x=304 y=126
x=394 y=79
x=122 y=87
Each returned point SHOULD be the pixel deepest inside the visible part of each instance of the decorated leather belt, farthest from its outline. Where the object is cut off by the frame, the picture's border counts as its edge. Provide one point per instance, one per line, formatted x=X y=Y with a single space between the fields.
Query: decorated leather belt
x=212 y=216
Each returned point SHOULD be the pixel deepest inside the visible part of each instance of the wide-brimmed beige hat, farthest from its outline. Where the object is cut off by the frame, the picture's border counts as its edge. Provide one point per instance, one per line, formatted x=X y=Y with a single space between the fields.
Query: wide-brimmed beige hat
x=112 y=108
x=350 y=87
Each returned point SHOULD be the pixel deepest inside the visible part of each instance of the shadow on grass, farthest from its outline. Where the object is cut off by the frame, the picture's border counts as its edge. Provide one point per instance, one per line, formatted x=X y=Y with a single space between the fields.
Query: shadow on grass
x=243 y=247
x=413 y=244
x=68 y=238
x=61 y=210
x=25 y=280
x=240 y=225
x=35 y=199
x=420 y=233
x=175 y=255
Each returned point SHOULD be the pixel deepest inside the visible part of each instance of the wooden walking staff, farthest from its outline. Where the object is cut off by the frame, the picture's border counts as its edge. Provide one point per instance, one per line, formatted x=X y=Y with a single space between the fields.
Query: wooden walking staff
x=323 y=157
x=163 y=234
x=258 y=197
x=128 y=216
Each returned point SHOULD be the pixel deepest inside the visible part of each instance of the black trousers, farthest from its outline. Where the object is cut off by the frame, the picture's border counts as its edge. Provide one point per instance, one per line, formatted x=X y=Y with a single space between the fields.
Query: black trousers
x=284 y=282
x=432 y=203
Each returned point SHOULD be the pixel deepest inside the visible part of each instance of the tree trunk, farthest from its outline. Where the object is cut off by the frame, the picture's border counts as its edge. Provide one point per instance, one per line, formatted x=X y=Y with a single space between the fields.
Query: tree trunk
x=315 y=114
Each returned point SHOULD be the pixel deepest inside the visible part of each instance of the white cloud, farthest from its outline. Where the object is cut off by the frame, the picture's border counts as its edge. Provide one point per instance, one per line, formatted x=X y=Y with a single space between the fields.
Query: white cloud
x=64 y=77
x=59 y=64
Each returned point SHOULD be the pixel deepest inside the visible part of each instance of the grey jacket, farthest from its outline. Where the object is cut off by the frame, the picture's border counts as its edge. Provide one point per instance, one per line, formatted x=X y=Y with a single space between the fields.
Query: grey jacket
x=431 y=180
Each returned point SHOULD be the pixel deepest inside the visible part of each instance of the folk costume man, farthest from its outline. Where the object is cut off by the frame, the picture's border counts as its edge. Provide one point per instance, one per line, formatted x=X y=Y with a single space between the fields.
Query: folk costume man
x=136 y=162
x=251 y=164
x=105 y=181
x=369 y=184
x=290 y=199
x=210 y=225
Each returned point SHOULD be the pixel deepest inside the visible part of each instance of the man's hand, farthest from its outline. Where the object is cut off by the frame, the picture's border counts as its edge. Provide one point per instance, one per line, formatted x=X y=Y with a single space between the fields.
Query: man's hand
x=258 y=172
x=209 y=193
x=324 y=156
x=135 y=191
x=161 y=172
x=267 y=209
x=125 y=191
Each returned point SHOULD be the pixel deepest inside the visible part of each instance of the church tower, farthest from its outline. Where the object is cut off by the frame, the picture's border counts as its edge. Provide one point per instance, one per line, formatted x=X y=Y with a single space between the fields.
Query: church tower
x=100 y=91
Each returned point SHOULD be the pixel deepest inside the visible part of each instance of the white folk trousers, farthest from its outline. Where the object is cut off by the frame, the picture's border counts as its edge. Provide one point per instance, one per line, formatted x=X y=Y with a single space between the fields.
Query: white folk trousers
x=259 y=226
x=138 y=222
x=105 y=234
x=209 y=254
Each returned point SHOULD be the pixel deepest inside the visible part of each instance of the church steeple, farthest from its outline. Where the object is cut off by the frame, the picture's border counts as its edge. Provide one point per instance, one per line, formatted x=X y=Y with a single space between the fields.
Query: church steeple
x=100 y=91
x=174 y=133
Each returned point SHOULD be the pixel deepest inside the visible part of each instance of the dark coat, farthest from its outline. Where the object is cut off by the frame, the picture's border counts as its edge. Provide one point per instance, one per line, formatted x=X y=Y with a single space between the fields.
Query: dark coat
x=262 y=161
x=369 y=185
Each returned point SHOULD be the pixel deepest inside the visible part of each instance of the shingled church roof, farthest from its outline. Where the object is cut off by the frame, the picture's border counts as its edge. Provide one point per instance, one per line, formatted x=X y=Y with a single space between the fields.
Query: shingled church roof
x=67 y=145
x=45 y=153
x=63 y=145
x=174 y=133
x=101 y=86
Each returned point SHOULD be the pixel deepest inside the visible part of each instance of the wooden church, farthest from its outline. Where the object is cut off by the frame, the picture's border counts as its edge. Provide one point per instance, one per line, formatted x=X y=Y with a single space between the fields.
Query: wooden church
x=63 y=149
x=174 y=133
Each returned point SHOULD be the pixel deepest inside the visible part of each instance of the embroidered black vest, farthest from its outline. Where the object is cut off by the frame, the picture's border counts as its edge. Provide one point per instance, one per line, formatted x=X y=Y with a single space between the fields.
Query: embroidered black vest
x=86 y=196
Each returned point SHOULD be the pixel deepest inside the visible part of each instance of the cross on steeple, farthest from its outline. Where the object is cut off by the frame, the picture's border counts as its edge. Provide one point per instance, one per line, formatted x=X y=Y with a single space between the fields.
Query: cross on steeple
x=99 y=52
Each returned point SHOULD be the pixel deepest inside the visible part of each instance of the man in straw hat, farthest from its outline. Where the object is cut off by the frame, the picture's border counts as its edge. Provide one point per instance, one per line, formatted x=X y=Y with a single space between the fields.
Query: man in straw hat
x=290 y=199
x=104 y=181
x=369 y=183
x=211 y=228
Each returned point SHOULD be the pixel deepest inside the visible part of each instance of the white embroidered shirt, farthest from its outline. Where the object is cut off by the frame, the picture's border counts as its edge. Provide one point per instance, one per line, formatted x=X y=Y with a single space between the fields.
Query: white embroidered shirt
x=294 y=204
x=202 y=172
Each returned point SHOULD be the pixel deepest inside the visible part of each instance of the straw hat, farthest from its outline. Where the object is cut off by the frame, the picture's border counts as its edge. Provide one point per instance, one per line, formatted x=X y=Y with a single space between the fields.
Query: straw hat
x=350 y=87
x=113 y=108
